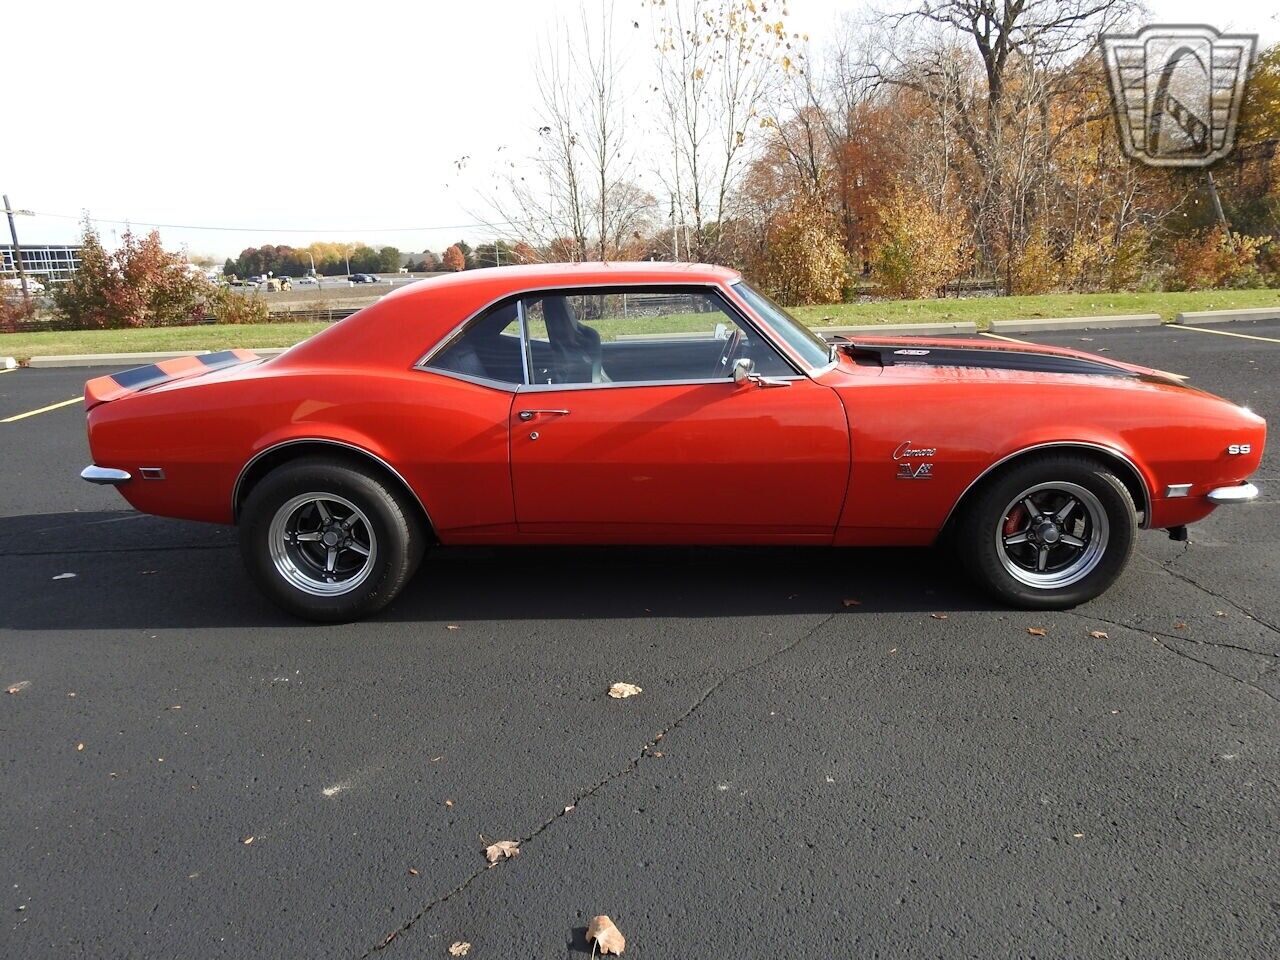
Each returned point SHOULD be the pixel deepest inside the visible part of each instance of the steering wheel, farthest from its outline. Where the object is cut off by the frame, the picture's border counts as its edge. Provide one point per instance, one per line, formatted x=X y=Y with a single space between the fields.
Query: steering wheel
x=731 y=346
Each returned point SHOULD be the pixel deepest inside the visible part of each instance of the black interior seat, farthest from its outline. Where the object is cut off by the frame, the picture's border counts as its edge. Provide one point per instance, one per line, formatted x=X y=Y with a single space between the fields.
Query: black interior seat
x=575 y=348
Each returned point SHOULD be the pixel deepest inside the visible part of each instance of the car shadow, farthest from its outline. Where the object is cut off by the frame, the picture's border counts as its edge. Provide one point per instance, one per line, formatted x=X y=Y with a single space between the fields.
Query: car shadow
x=141 y=572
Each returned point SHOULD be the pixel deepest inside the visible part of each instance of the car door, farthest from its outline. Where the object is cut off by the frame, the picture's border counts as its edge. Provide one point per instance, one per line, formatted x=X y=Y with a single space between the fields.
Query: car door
x=634 y=430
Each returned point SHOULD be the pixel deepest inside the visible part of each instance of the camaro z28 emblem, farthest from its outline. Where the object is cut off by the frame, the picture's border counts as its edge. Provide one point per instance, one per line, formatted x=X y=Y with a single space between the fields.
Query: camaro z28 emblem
x=919 y=471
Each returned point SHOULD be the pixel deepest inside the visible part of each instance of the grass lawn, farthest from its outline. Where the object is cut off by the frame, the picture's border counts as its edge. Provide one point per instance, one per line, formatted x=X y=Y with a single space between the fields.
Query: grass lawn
x=981 y=310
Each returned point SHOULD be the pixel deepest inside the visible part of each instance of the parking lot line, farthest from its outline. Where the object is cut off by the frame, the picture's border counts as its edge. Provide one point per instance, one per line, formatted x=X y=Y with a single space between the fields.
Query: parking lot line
x=1228 y=333
x=996 y=336
x=32 y=413
x=8 y=369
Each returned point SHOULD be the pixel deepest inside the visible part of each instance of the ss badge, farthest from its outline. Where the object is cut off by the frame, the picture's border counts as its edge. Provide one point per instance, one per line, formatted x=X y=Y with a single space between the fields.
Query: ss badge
x=1238 y=448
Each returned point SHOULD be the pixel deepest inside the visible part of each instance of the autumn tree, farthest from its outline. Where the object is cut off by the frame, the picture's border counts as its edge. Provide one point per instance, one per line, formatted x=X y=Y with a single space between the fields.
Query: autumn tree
x=453 y=259
x=139 y=284
x=917 y=250
x=804 y=261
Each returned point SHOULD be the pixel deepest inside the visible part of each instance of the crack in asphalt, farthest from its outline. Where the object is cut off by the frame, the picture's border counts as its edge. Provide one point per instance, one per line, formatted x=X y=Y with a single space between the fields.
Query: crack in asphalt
x=1168 y=568
x=1173 y=636
x=1176 y=652
x=631 y=766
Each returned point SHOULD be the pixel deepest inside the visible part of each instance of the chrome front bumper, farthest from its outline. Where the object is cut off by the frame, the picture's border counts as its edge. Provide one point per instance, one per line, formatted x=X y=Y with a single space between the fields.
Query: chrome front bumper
x=1241 y=493
x=108 y=476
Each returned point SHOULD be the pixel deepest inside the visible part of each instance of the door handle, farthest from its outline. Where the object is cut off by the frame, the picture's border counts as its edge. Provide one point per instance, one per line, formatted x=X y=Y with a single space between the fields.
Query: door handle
x=527 y=415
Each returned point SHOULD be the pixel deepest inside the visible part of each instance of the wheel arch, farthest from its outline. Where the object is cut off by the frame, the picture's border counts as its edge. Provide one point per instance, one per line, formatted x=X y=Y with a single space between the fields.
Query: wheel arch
x=286 y=451
x=1126 y=470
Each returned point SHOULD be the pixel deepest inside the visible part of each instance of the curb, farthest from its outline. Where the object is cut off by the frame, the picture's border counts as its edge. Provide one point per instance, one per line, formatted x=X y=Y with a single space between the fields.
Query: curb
x=916 y=329
x=1076 y=323
x=8 y=363
x=1228 y=316
x=127 y=359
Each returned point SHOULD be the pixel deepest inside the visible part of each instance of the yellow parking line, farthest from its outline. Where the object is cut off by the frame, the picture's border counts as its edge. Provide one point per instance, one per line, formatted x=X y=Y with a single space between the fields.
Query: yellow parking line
x=1228 y=333
x=32 y=413
x=996 y=336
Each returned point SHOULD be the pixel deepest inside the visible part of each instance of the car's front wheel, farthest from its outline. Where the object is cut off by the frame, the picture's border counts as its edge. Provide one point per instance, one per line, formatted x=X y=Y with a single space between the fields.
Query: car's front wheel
x=329 y=541
x=1048 y=533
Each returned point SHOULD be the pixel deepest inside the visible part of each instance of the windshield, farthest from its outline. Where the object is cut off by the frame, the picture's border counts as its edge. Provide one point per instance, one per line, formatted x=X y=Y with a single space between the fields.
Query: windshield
x=812 y=348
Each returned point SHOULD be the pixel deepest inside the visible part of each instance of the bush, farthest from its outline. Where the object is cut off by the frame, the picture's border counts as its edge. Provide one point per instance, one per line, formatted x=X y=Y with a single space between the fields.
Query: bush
x=13 y=310
x=917 y=250
x=228 y=306
x=140 y=284
x=805 y=262
x=1035 y=270
x=1217 y=258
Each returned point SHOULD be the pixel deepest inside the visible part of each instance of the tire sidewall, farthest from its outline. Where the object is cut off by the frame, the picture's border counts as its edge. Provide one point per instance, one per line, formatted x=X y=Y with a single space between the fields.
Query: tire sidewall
x=390 y=520
x=975 y=534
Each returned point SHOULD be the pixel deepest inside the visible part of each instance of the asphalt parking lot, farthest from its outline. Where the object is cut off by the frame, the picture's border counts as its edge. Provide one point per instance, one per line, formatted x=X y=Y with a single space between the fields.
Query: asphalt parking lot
x=188 y=772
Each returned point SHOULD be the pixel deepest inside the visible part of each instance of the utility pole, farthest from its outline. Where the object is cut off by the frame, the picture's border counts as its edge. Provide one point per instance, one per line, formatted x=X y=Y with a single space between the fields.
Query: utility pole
x=17 y=252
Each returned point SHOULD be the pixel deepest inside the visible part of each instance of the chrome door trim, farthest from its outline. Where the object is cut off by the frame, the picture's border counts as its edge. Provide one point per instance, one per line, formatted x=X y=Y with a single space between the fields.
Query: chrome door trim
x=1078 y=444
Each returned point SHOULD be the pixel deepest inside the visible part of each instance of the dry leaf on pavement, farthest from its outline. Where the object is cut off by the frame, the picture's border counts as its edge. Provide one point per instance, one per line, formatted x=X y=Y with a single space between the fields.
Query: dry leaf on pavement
x=602 y=932
x=620 y=691
x=502 y=850
x=938 y=616
x=1099 y=634
x=852 y=603
x=19 y=686
x=459 y=948
x=1037 y=631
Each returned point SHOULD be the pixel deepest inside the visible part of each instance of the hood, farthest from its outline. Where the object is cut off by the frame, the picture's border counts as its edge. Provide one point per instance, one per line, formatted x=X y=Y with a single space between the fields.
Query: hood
x=985 y=355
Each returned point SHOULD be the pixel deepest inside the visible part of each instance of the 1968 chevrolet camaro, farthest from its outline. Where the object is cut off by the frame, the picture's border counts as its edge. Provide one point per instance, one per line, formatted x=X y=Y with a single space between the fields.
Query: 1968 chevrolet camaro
x=647 y=403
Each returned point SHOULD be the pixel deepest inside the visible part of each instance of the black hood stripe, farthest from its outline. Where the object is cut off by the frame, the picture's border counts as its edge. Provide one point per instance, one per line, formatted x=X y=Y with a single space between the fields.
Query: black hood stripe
x=988 y=358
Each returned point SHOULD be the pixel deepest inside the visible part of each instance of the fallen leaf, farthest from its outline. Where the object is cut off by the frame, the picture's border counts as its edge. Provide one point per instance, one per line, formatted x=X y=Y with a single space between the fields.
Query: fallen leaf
x=606 y=936
x=570 y=808
x=1099 y=634
x=852 y=603
x=63 y=576
x=389 y=937
x=1077 y=835
x=448 y=803
x=658 y=753
x=79 y=746
x=20 y=686
x=434 y=759
x=413 y=872
x=1219 y=613
x=71 y=694
x=459 y=949
x=894 y=650
x=620 y=691
x=247 y=840
x=147 y=572
x=1179 y=625
x=452 y=626
x=938 y=616
x=502 y=850
x=1037 y=631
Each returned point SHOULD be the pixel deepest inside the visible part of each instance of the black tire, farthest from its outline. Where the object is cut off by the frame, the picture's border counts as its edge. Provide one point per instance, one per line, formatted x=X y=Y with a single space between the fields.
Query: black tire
x=383 y=524
x=1104 y=520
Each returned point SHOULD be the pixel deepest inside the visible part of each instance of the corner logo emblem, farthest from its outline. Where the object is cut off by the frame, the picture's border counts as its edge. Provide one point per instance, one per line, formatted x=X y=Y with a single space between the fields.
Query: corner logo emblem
x=1176 y=91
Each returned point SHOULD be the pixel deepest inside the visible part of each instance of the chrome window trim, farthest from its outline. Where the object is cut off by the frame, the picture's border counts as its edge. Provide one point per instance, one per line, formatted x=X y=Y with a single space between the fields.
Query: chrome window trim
x=1077 y=444
x=744 y=317
x=506 y=386
x=294 y=441
x=549 y=387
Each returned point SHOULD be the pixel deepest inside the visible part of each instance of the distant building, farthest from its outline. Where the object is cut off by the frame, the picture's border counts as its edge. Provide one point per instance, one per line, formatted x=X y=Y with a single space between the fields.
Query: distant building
x=42 y=262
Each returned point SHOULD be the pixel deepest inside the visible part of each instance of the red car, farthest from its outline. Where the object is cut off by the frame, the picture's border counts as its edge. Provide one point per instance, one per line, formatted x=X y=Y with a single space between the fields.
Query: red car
x=649 y=403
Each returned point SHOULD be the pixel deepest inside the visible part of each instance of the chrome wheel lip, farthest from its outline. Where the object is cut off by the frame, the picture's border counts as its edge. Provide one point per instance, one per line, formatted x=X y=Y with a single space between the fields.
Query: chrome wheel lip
x=1090 y=555
x=292 y=564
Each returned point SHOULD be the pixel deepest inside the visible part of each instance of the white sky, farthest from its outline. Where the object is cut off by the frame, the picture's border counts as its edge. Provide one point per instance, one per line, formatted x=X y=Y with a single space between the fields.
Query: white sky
x=335 y=121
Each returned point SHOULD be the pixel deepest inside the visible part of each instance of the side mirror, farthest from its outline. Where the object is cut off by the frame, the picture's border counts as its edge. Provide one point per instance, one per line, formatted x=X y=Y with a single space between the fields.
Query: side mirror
x=744 y=368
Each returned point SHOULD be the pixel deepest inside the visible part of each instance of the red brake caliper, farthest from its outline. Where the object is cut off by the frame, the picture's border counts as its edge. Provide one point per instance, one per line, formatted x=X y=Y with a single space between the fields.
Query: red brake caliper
x=1015 y=521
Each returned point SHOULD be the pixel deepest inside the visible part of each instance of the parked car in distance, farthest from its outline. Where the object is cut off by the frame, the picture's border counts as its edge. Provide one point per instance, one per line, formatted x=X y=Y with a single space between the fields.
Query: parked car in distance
x=650 y=403
x=307 y=282
x=362 y=278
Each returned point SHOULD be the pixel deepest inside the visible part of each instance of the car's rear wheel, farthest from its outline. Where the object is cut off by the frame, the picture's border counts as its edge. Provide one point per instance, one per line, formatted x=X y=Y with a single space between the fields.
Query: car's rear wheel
x=1049 y=532
x=327 y=540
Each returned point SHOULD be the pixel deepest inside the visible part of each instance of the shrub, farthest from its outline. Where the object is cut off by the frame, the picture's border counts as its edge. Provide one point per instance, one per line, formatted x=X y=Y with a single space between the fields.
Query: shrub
x=805 y=262
x=1035 y=270
x=1217 y=258
x=140 y=284
x=228 y=306
x=917 y=250
x=13 y=310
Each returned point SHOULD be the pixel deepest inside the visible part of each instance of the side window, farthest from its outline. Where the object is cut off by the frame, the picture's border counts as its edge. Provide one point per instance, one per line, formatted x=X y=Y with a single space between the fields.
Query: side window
x=617 y=336
x=489 y=348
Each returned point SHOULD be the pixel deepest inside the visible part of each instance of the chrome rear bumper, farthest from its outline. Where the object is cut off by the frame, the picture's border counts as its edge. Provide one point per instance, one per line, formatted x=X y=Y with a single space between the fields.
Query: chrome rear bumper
x=104 y=475
x=1241 y=493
